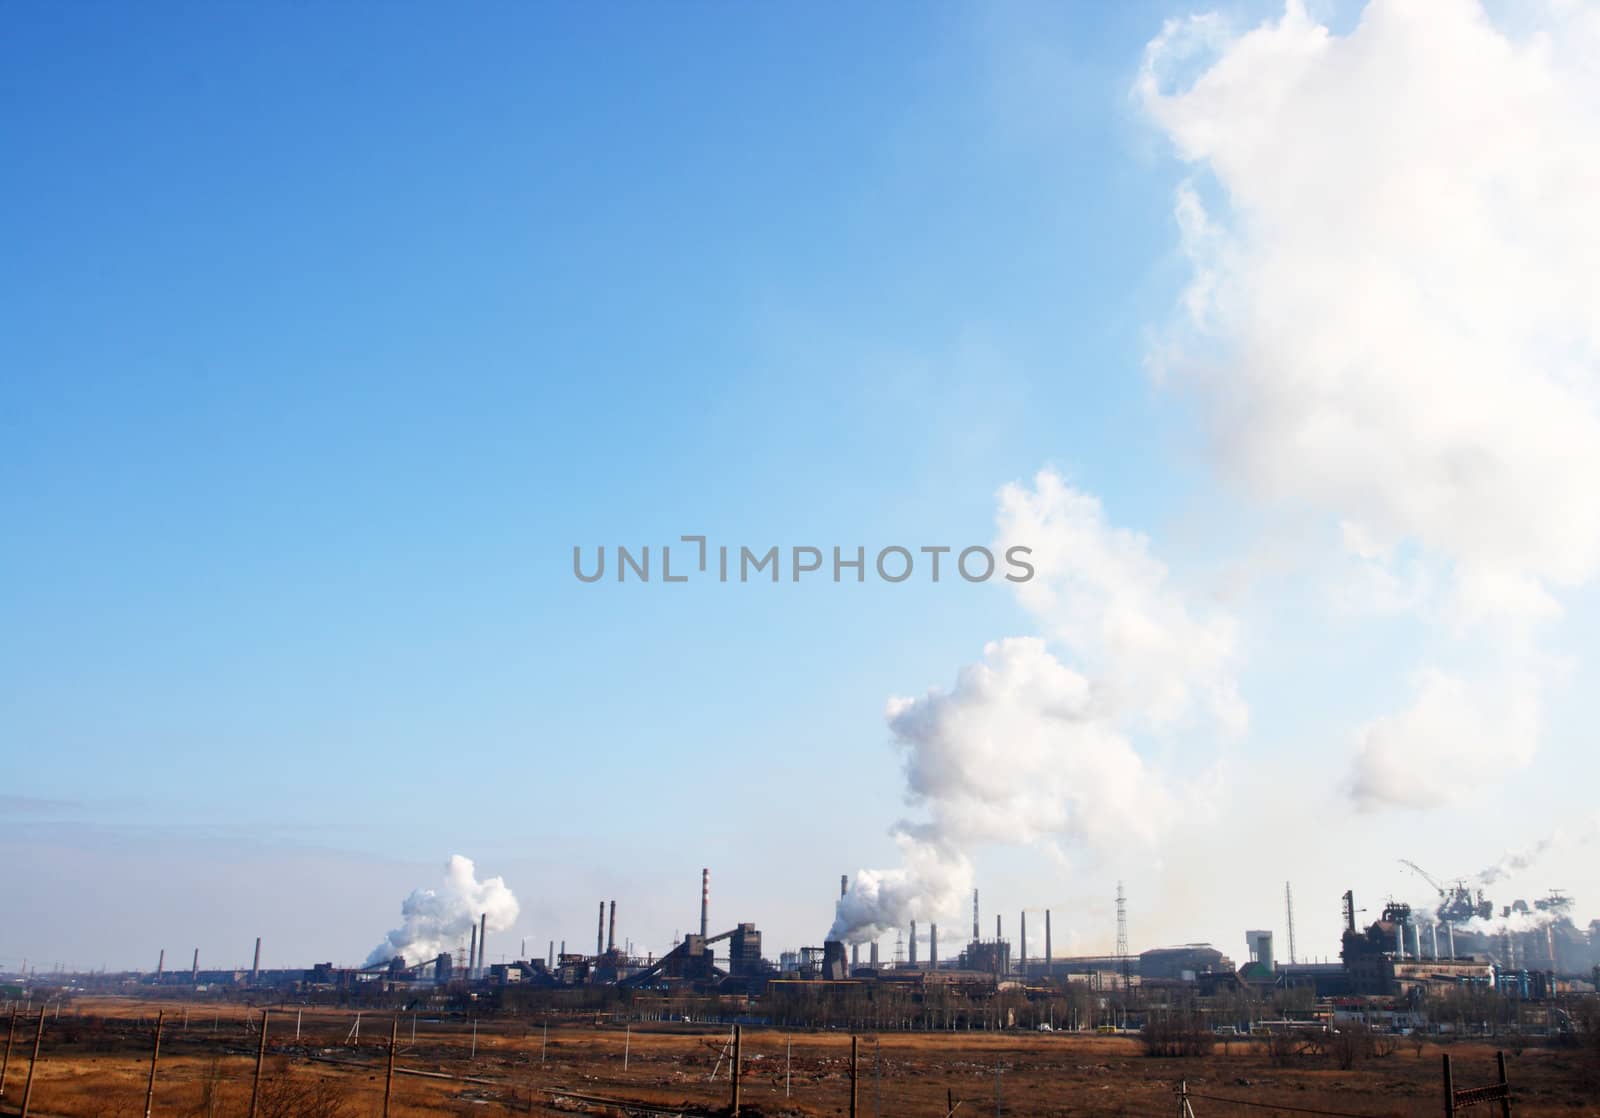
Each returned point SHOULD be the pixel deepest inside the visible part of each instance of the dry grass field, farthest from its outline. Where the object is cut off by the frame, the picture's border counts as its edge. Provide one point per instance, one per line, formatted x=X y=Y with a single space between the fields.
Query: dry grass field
x=96 y=1057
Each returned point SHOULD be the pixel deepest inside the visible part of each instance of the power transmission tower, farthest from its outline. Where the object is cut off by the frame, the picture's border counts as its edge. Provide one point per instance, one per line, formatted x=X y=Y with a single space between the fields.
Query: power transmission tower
x=1122 y=922
x=1288 y=904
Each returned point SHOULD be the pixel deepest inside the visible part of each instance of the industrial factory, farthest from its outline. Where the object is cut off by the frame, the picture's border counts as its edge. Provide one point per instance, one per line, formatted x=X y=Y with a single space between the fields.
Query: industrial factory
x=1408 y=959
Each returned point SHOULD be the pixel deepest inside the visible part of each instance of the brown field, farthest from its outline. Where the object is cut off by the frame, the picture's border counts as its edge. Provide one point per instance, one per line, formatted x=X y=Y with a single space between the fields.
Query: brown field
x=96 y=1057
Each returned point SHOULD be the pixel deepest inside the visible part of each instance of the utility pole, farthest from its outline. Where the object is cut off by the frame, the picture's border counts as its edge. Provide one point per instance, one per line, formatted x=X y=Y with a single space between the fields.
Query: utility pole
x=261 y=1057
x=27 y=1088
x=155 y=1056
x=738 y=1069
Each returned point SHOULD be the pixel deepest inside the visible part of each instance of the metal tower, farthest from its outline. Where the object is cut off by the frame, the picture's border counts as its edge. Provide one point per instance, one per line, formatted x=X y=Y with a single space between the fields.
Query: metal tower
x=1122 y=922
x=1288 y=904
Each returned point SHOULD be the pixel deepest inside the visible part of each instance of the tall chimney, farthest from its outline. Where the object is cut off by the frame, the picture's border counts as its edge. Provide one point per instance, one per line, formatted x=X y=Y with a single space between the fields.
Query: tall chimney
x=611 y=934
x=844 y=884
x=483 y=939
x=1022 y=947
x=600 y=931
x=161 y=964
x=550 y=963
x=255 y=967
x=705 y=902
x=933 y=947
x=563 y=947
x=913 y=943
x=1047 y=955
x=194 y=975
x=974 y=916
x=472 y=953
x=855 y=954
x=997 y=933
x=874 y=956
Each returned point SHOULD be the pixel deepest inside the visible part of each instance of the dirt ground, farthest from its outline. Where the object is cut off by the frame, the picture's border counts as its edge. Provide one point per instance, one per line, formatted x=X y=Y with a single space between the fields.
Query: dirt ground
x=95 y=1061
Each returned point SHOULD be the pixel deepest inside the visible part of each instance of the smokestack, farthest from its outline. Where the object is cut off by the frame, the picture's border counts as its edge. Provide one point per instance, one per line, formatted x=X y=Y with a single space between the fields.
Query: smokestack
x=844 y=884
x=161 y=964
x=611 y=936
x=255 y=967
x=194 y=975
x=483 y=940
x=913 y=943
x=974 y=916
x=705 y=902
x=997 y=933
x=550 y=963
x=873 y=958
x=1022 y=949
x=855 y=954
x=563 y=947
x=472 y=952
x=933 y=947
x=600 y=931
x=1047 y=956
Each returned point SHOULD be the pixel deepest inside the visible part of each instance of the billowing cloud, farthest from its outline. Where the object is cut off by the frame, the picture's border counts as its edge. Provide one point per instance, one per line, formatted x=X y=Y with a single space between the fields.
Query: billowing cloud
x=1025 y=749
x=1453 y=739
x=1100 y=593
x=1392 y=315
x=438 y=920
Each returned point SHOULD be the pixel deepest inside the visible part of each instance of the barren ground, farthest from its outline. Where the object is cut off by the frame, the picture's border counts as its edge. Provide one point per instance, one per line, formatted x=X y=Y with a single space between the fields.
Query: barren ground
x=96 y=1057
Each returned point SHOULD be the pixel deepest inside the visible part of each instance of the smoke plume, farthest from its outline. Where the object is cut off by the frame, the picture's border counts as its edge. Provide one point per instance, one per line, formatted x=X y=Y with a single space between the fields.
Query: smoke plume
x=438 y=920
x=1514 y=862
x=1026 y=750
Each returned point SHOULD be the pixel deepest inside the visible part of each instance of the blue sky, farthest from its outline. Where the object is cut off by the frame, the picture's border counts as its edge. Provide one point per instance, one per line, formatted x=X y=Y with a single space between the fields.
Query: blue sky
x=327 y=336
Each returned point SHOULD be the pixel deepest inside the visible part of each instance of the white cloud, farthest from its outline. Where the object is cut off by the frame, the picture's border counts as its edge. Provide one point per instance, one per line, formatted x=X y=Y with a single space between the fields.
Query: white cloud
x=1021 y=750
x=1027 y=750
x=1397 y=306
x=1455 y=739
x=1394 y=314
x=1100 y=592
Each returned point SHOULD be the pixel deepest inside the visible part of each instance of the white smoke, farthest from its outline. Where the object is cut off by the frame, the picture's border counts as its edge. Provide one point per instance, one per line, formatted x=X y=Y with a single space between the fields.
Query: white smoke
x=1514 y=924
x=1514 y=861
x=1392 y=317
x=1026 y=750
x=439 y=920
x=1452 y=739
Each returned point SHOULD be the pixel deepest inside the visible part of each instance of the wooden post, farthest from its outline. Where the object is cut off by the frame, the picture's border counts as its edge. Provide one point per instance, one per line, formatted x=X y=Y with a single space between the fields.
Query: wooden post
x=388 y=1078
x=854 y=1054
x=1505 y=1085
x=738 y=1040
x=155 y=1056
x=1449 y=1089
x=27 y=1088
x=261 y=1056
x=11 y=1033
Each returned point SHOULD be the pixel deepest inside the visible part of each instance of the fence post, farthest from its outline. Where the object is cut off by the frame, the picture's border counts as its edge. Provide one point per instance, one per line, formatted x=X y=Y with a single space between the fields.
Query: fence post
x=27 y=1089
x=261 y=1055
x=11 y=1033
x=388 y=1078
x=1505 y=1085
x=854 y=1054
x=1449 y=1089
x=738 y=1070
x=155 y=1056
